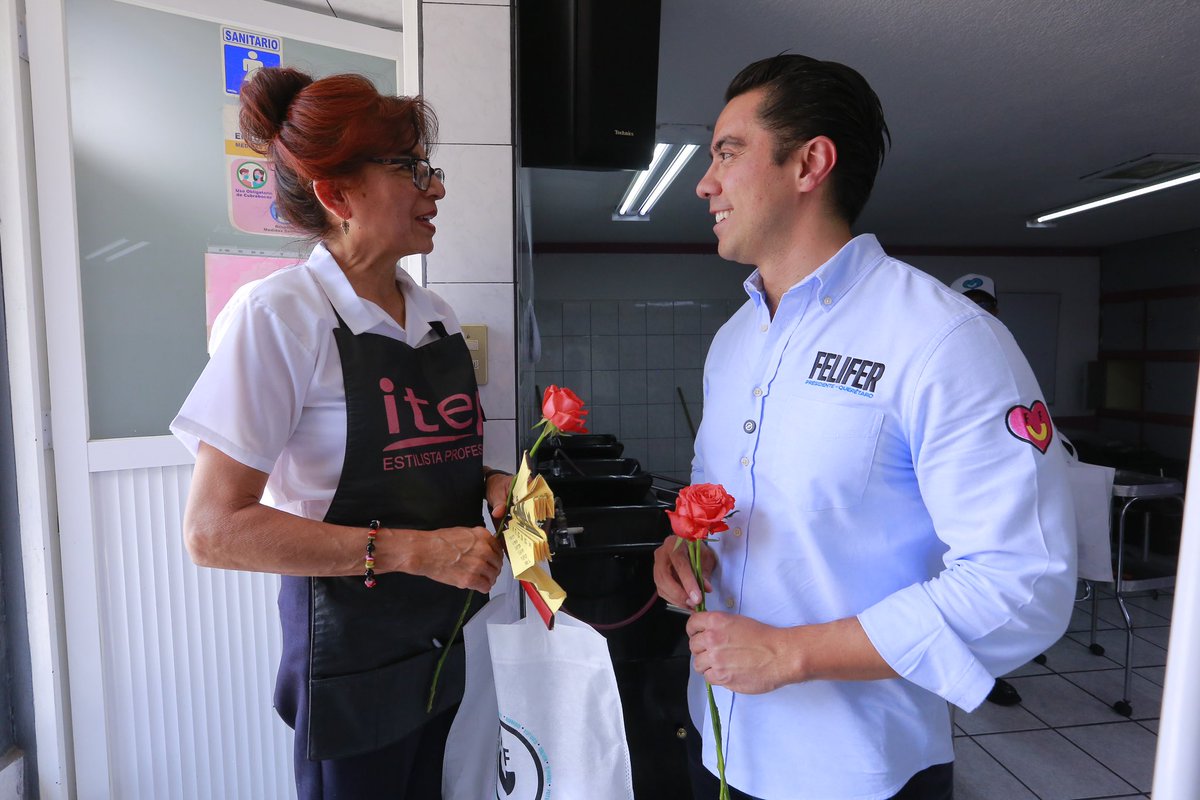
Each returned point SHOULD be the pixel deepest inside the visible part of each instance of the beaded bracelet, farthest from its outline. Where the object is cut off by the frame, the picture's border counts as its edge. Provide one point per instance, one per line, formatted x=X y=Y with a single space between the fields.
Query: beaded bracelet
x=369 y=578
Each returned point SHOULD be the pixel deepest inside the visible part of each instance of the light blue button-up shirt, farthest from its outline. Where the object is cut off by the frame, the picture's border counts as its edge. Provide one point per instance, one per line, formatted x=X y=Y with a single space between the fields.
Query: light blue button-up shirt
x=887 y=445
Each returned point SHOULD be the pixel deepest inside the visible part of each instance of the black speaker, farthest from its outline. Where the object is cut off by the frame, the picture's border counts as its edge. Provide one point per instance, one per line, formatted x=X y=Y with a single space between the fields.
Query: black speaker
x=587 y=82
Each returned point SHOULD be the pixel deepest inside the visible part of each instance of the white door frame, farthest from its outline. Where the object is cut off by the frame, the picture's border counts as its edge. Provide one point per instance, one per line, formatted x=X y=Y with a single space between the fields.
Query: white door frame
x=83 y=729
x=1176 y=768
x=25 y=332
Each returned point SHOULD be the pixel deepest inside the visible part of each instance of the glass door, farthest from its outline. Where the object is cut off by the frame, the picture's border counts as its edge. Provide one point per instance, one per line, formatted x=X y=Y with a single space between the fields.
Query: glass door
x=151 y=211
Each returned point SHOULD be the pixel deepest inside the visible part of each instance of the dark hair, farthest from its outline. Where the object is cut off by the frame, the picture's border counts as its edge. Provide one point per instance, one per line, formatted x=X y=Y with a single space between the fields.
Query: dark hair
x=323 y=129
x=806 y=98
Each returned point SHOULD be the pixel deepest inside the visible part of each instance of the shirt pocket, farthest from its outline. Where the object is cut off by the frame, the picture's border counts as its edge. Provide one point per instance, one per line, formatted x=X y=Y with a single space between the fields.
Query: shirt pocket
x=827 y=451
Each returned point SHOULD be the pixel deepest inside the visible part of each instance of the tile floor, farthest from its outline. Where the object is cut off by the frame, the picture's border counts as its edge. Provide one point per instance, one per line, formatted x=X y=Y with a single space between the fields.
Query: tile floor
x=1064 y=741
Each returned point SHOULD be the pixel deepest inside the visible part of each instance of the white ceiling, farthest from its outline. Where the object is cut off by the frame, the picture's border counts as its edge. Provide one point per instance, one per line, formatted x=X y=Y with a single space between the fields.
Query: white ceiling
x=997 y=109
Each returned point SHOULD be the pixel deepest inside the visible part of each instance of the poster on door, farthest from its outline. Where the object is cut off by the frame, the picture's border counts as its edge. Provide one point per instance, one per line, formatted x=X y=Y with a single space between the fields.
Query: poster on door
x=250 y=185
x=244 y=53
x=225 y=273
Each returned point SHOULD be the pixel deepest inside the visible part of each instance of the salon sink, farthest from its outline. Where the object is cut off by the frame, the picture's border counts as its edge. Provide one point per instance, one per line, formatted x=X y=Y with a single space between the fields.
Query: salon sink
x=596 y=482
x=583 y=446
x=562 y=467
x=1127 y=483
x=614 y=529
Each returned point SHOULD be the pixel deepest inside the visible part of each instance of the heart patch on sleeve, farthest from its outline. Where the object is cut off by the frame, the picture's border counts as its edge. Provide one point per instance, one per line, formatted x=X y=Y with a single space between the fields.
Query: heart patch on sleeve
x=1031 y=424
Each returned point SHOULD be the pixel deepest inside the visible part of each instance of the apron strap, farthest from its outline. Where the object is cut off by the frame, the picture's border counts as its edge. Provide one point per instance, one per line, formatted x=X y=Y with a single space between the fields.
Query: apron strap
x=438 y=327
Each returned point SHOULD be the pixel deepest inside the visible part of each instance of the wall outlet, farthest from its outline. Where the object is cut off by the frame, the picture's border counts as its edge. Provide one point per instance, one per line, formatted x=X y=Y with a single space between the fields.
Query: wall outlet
x=477 y=344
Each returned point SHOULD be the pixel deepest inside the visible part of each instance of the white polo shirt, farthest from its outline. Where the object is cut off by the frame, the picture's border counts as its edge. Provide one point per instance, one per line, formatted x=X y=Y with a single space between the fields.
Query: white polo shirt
x=885 y=443
x=272 y=395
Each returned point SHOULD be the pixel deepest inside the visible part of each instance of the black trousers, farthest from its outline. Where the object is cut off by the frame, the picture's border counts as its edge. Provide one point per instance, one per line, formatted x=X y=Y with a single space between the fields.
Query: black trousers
x=931 y=783
x=410 y=769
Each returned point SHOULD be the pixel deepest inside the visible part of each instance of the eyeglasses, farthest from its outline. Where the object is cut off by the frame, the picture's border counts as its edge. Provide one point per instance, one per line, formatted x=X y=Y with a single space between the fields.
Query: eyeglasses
x=422 y=171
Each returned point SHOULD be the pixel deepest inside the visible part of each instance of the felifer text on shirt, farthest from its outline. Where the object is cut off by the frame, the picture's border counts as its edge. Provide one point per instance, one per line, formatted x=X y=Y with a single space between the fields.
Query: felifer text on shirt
x=835 y=368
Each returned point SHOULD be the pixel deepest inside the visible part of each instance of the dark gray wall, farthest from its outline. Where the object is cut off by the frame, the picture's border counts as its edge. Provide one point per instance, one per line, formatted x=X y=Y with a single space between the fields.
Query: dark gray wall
x=1150 y=293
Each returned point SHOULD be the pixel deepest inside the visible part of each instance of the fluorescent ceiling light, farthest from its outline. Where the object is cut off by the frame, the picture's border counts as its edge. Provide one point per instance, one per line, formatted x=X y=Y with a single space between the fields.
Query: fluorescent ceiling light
x=681 y=158
x=639 y=181
x=633 y=195
x=1041 y=219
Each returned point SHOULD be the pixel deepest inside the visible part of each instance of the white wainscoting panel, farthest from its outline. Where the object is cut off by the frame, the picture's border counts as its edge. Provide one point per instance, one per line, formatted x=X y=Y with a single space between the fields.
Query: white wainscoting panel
x=190 y=653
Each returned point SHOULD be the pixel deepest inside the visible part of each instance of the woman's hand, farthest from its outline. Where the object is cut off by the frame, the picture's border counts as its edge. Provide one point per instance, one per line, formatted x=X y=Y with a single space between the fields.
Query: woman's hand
x=468 y=558
x=496 y=489
x=673 y=572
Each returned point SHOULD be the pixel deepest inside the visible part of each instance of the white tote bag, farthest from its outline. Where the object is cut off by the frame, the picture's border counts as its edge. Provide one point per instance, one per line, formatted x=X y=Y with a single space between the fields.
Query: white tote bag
x=541 y=717
x=469 y=766
x=1091 y=490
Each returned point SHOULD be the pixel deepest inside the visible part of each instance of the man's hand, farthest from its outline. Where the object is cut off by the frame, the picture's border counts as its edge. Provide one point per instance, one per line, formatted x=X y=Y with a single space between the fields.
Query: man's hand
x=750 y=657
x=739 y=653
x=673 y=572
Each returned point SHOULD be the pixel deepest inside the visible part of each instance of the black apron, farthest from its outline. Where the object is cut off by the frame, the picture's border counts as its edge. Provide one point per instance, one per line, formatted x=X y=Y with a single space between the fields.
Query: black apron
x=357 y=662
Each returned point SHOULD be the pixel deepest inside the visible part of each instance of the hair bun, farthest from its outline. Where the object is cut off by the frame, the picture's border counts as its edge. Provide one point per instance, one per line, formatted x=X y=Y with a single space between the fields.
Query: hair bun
x=265 y=99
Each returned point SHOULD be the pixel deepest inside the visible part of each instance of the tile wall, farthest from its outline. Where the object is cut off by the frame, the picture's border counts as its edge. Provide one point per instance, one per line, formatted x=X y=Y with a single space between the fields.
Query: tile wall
x=466 y=75
x=631 y=361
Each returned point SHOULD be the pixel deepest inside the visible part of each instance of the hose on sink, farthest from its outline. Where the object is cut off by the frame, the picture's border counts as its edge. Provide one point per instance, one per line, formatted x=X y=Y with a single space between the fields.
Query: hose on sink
x=612 y=626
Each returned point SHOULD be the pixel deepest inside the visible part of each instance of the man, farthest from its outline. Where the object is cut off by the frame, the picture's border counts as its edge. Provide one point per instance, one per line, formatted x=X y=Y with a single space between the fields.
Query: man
x=979 y=289
x=903 y=532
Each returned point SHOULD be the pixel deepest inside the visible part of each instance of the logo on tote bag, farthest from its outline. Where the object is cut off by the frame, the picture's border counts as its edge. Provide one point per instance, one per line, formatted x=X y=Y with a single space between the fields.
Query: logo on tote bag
x=522 y=769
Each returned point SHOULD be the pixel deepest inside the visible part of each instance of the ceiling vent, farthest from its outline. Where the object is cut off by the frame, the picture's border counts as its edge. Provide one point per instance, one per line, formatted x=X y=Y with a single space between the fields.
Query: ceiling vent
x=1154 y=167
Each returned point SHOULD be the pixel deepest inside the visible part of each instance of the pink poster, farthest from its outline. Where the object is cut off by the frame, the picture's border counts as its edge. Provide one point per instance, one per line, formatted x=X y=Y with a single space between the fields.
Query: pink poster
x=252 y=197
x=225 y=273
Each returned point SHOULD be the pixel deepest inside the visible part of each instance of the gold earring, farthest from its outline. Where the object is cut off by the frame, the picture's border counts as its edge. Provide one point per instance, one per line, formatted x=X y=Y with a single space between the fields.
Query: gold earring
x=346 y=226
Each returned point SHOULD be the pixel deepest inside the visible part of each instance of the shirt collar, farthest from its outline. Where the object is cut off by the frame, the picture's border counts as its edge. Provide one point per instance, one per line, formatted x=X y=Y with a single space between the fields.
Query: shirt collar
x=754 y=288
x=832 y=279
x=362 y=315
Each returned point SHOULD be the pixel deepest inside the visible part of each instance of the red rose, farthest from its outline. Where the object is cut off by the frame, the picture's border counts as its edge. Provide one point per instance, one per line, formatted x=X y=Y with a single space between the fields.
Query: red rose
x=563 y=409
x=701 y=510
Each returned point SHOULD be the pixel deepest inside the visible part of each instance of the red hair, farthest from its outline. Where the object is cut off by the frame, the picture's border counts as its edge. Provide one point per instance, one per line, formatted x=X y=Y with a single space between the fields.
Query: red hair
x=324 y=129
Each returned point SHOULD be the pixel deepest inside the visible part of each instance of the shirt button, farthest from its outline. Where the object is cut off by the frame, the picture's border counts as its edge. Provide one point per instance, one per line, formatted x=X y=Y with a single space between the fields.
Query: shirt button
x=763 y=328
x=757 y=392
x=748 y=426
x=745 y=462
x=828 y=301
x=737 y=531
x=729 y=602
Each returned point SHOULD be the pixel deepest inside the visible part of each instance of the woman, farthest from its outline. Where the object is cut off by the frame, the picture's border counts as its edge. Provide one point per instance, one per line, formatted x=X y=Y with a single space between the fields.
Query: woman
x=346 y=392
